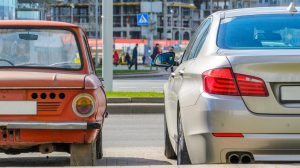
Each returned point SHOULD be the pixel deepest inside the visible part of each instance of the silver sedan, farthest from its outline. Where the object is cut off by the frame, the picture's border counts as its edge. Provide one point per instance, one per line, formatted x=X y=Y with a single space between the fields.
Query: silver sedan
x=235 y=95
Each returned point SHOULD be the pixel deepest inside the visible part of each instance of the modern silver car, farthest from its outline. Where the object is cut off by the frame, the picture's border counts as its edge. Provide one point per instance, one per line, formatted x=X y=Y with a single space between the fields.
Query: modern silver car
x=235 y=95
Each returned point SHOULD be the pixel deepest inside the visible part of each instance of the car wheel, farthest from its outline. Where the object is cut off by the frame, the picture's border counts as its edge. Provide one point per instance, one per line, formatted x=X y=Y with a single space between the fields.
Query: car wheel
x=83 y=154
x=182 y=153
x=169 y=151
x=99 y=149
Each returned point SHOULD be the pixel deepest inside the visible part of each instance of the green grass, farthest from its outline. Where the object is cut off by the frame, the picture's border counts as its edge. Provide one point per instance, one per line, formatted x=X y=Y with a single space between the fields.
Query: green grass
x=122 y=72
x=135 y=94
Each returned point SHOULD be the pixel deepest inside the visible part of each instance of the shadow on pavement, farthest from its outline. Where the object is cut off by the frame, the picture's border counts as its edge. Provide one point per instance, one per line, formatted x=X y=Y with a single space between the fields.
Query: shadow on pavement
x=34 y=161
x=130 y=161
x=65 y=161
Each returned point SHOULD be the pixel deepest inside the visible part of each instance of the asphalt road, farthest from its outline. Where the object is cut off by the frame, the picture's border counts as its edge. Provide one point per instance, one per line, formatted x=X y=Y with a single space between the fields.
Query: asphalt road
x=128 y=140
x=140 y=84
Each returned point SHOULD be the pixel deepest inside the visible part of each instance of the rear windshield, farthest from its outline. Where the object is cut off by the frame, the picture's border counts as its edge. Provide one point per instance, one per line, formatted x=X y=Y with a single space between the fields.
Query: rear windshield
x=274 y=31
x=39 y=48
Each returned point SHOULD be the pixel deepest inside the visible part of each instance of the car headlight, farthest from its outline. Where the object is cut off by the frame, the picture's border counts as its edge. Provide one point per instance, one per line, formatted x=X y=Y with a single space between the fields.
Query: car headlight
x=83 y=105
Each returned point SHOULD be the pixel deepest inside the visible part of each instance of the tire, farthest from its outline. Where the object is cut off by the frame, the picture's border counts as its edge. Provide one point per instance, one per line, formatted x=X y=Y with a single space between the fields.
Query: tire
x=182 y=153
x=83 y=154
x=169 y=151
x=99 y=149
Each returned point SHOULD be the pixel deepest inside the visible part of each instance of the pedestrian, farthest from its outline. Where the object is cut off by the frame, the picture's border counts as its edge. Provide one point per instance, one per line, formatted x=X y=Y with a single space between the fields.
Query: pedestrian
x=171 y=50
x=156 y=51
x=116 y=58
x=127 y=58
x=134 y=57
x=144 y=59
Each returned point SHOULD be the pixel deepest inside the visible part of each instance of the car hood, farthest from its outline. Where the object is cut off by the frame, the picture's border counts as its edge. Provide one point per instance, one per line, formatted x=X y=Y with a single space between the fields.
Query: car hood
x=17 y=79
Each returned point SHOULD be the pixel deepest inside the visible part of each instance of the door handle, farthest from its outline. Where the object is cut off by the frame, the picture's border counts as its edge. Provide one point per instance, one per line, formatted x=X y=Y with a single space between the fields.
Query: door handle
x=181 y=72
x=172 y=74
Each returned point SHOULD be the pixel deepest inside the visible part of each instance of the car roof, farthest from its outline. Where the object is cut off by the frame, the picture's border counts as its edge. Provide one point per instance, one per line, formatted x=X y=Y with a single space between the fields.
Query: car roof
x=35 y=23
x=255 y=11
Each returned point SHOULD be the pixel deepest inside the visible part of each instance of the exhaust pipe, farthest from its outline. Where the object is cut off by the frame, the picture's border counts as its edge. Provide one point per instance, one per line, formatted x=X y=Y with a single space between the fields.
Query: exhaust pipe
x=234 y=158
x=46 y=148
x=246 y=159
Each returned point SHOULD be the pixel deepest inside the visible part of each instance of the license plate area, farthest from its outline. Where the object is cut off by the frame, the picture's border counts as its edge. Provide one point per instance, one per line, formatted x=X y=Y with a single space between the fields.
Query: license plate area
x=290 y=94
x=18 y=108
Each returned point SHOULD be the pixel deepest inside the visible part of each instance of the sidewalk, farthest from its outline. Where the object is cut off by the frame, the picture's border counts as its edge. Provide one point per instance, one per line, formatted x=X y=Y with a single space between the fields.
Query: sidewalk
x=160 y=72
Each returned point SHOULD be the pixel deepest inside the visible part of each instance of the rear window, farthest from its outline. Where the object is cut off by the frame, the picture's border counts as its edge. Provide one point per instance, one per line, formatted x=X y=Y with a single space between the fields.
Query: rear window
x=39 y=48
x=274 y=31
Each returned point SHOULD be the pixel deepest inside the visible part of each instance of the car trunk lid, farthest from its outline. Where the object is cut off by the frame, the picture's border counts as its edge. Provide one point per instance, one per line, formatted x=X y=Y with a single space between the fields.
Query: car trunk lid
x=36 y=80
x=279 y=69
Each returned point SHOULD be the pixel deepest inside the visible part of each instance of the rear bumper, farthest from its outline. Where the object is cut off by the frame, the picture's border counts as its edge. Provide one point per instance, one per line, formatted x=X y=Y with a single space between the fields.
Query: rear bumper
x=52 y=125
x=266 y=137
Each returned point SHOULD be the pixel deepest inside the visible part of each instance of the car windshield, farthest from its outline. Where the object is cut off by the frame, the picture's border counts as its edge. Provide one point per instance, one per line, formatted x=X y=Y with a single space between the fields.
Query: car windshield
x=273 y=31
x=40 y=48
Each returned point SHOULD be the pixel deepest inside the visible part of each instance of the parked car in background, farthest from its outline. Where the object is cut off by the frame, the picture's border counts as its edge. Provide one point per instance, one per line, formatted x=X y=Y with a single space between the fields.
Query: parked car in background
x=235 y=95
x=50 y=97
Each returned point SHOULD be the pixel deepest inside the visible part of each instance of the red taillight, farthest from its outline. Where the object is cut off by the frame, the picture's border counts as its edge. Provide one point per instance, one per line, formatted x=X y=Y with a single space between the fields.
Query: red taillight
x=222 y=81
x=251 y=86
x=228 y=135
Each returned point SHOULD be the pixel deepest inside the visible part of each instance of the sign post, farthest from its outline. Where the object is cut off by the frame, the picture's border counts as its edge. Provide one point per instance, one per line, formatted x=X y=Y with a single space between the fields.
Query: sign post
x=107 y=36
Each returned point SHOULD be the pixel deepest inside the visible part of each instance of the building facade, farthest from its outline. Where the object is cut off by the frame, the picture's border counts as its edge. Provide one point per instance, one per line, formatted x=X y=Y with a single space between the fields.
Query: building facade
x=31 y=10
x=176 y=21
x=7 y=9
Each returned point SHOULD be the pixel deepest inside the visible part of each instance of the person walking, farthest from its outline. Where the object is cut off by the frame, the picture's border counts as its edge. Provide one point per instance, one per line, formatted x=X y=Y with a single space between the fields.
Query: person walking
x=134 y=57
x=127 y=58
x=156 y=51
x=171 y=50
x=116 y=58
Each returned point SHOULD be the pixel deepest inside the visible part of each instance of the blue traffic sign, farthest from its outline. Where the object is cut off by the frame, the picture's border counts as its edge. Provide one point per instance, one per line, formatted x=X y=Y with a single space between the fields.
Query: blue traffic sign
x=143 y=19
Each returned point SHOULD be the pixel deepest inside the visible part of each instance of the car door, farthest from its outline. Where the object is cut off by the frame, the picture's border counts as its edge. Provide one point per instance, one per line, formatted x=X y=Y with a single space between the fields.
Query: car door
x=175 y=82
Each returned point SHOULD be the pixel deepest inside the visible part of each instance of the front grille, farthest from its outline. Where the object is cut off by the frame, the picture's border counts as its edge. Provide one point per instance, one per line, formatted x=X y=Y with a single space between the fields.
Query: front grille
x=48 y=106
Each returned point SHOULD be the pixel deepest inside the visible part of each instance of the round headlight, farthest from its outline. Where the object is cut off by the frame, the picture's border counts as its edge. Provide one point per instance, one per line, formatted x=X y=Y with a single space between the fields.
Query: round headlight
x=83 y=105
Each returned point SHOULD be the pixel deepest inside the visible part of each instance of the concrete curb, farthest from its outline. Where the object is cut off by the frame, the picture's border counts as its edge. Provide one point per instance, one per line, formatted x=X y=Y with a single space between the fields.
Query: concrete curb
x=135 y=108
x=135 y=100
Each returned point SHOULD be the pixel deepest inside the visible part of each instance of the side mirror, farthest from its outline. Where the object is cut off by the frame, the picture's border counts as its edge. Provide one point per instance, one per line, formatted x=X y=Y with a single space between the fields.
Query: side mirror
x=164 y=59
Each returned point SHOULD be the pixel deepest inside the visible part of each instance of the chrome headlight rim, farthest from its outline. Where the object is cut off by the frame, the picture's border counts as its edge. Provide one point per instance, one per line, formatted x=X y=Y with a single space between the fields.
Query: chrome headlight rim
x=84 y=95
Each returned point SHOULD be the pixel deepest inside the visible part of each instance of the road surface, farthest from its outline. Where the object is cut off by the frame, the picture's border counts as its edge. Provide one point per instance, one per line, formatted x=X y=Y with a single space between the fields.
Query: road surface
x=128 y=140
x=140 y=84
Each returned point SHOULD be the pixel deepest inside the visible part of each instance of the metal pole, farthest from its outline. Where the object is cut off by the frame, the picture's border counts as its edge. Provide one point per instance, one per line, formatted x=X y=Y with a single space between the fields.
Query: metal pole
x=97 y=32
x=180 y=25
x=107 y=37
x=211 y=6
x=72 y=15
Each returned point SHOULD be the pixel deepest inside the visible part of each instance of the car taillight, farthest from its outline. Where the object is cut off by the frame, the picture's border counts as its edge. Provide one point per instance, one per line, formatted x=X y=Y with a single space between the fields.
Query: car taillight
x=83 y=105
x=220 y=81
x=223 y=81
x=251 y=86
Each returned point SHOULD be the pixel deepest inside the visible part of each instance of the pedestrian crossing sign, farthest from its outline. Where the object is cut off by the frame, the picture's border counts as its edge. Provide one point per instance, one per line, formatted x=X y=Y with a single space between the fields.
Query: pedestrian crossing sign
x=143 y=19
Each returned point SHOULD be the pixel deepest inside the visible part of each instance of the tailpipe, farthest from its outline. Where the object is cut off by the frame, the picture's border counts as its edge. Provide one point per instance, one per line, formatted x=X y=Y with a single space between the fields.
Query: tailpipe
x=246 y=159
x=234 y=159
x=46 y=148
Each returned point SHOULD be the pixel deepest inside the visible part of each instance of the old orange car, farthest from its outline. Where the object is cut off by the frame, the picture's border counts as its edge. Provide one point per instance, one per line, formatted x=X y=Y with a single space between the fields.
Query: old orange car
x=50 y=96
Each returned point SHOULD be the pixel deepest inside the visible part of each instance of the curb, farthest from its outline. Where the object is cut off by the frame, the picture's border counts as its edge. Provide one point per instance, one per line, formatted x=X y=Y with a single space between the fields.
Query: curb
x=135 y=100
x=135 y=108
x=134 y=105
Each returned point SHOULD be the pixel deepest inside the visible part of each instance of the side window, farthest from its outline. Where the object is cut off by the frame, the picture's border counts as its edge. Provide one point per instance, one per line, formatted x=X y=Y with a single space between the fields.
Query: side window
x=192 y=41
x=87 y=52
x=200 y=39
